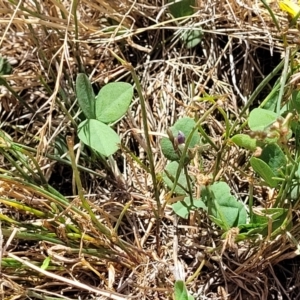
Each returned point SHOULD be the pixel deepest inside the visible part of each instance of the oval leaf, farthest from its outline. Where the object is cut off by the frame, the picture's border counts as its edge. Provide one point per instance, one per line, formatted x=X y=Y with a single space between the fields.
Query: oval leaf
x=294 y=103
x=224 y=209
x=274 y=157
x=169 y=177
x=192 y=38
x=85 y=96
x=245 y=141
x=113 y=101
x=168 y=149
x=99 y=136
x=184 y=207
x=260 y=118
x=181 y=8
x=180 y=291
x=263 y=171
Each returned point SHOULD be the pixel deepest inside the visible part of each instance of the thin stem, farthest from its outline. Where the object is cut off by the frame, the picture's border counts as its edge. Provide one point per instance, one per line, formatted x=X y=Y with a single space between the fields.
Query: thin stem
x=283 y=79
x=251 y=199
x=188 y=184
x=149 y=154
x=102 y=228
x=147 y=137
x=84 y=202
x=145 y=124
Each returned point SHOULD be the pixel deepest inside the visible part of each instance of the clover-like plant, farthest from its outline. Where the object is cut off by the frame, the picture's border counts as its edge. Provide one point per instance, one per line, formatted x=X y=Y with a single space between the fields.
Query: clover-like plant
x=222 y=207
x=275 y=164
x=268 y=137
x=100 y=111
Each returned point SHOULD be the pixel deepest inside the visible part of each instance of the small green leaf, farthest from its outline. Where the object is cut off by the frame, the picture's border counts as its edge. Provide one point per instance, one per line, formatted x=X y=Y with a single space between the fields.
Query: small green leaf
x=252 y=228
x=271 y=104
x=223 y=208
x=294 y=104
x=113 y=101
x=85 y=96
x=220 y=188
x=5 y=66
x=274 y=157
x=244 y=141
x=169 y=175
x=265 y=214
x=184 y=207
x=46 y=263
x=180 y=291
x=263 y=171
x=168 y=149
x=277 y=216
x=192 y=38
x=99 y=136
x=260 y=119
x=181 y=8
x=294 y=192
x=295 y=126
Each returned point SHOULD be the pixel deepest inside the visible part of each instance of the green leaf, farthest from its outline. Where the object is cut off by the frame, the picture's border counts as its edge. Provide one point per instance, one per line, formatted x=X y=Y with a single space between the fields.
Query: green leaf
x=184 y=207
x=99 y=136
x=294 y=192
x=294 y=104
x=192 y=38
x=260 y=119
x=265 y=214
x=244 y=141
x=271 y=104
x=184 y=125
x=223 y=208
x=168 y=149
x=46 y=263
x=247 y=230
x=264 y=171
x=274 y=157
x=220 y=188
x=180 y=291
x=278 y=217
x=61 y=147
x=85 y=96
x=295 y=126
x=169 y=175
x=113 y=101
x=181 y=8
x=178 y=9
x=5 y=66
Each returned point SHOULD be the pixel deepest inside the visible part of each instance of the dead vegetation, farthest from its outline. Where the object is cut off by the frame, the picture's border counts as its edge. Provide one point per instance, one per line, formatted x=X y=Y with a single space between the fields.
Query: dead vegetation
x=48 y=43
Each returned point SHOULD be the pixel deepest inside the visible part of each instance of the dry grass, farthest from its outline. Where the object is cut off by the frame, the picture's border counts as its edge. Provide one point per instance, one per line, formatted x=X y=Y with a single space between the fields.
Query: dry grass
x=48 y=44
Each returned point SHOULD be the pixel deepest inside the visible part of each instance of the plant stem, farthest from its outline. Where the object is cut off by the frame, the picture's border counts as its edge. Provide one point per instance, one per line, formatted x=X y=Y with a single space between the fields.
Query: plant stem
x=188 y=184
x=149 y=154
x=283 y=79
x=147 y=137
x=102 y=228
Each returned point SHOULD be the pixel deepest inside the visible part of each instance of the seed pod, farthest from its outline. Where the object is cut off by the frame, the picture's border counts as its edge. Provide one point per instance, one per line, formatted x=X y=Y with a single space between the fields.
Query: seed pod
x=170 y=135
